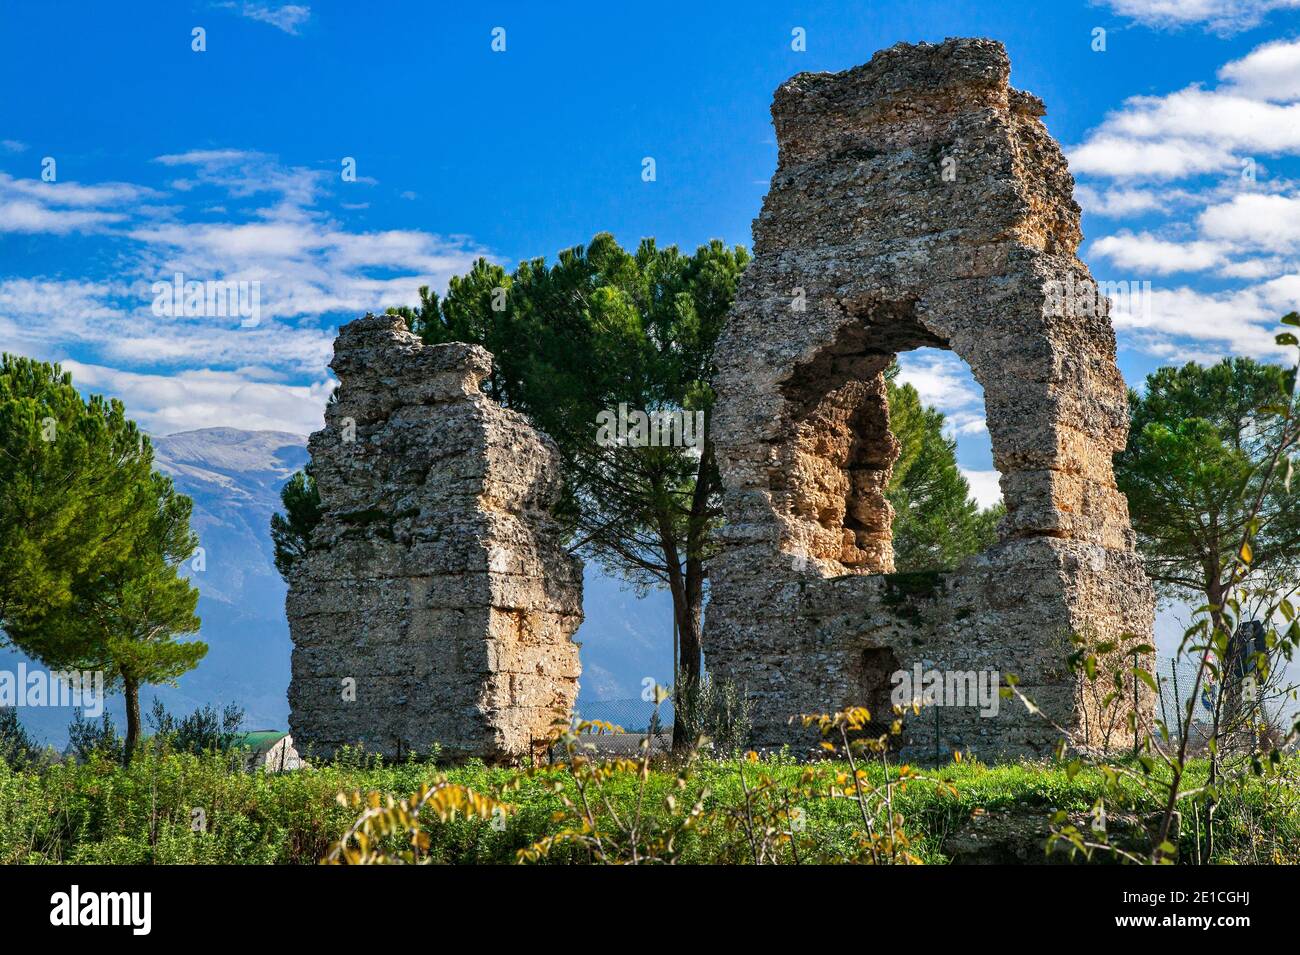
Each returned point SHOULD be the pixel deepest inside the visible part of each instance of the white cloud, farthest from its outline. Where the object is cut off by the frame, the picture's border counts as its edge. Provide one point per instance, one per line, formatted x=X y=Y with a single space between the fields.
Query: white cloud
x=35 y=206
x=1254 y=268
x=1148 y=254
x=42 y=317
x=23 y=215
x=1269 y=72
x=307 y=265
x=206 y=157
x=1184 y=324
x=1254 y=111
x=984 y=486
x=74 y=194
x=1119 y=202
x=241 y=173
x=1270 y=222
x=1122 y=157
x=1243 y=227
x=12 y=146
x=941 y=379
x=1221 y=16
x=967 y=422
x=283 y=16
x=944 y=381
x=202 y=398
x=1223 y=118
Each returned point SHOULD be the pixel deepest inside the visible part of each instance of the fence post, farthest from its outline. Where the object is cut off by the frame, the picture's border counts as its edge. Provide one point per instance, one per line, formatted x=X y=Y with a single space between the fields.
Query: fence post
x=1136 y=707
x=1178 y=698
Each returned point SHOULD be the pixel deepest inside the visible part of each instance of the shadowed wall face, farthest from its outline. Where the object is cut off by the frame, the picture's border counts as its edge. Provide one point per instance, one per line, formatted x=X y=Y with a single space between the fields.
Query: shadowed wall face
x=437 y=603
x=918 y=202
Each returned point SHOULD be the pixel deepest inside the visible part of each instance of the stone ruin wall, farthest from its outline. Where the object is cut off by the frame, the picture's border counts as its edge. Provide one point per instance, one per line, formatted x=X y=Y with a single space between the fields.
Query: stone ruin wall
x=437 y=579
x=918 y=201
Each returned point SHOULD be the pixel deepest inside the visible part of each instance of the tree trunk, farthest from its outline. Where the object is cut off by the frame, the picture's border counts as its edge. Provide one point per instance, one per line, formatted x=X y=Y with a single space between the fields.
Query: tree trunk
x=687 y=617
x=690 y=669
x=688 y=595
x=132 y=691
x=1214 y=593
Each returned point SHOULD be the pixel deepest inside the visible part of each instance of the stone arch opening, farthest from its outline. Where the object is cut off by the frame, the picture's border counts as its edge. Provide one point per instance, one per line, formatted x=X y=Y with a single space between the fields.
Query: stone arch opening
x=832 y=474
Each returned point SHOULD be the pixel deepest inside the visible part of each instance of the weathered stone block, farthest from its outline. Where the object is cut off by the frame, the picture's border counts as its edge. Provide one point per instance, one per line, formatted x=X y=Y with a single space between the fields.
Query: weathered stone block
x=437 y=603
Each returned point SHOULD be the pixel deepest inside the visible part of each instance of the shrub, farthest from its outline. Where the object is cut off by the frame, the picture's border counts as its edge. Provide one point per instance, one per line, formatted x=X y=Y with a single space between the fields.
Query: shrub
x=16 y=747
x=716 y=712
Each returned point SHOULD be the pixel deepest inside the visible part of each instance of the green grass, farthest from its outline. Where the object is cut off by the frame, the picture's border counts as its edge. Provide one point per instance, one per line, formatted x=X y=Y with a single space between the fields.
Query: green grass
x=99 y=812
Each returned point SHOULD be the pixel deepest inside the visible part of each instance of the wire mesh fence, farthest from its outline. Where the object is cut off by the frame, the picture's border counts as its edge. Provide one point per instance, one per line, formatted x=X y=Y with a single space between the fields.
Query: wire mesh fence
x=637 y=721
x=634 y=715
x=1176 y=681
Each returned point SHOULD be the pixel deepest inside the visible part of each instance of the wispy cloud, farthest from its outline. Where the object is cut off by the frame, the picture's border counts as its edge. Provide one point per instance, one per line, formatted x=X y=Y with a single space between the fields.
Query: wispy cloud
x=231 y=216
x=202 y=398
x=35 y=206
x=283 y=16
x=1219 y=16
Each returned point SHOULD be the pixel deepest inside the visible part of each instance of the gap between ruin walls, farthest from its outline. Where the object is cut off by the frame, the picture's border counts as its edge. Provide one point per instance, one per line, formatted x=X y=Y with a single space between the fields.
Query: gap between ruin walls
x=887 y=263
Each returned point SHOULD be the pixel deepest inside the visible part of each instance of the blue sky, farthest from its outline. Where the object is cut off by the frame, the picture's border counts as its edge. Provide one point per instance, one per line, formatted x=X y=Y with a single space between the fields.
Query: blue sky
x=226 y=164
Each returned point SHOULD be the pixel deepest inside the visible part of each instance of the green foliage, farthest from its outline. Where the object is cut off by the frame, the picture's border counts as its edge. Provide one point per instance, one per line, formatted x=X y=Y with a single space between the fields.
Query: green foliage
x=70 y=469
x=16 y=747
x=592 y=827
x=1193 y=469
x=291 y=531
x=207 y=729
x=718 y=713
x=936 y=522
x=88 y=739
x=1208 y=473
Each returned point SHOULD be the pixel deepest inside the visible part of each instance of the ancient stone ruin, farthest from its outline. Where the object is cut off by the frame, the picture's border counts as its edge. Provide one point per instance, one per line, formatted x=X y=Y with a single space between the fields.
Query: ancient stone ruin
x=919 y=201
x=437 y=602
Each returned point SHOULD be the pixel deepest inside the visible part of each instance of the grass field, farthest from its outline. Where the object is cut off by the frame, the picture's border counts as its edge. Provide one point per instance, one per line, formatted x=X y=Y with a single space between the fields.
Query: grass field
x=180 y=808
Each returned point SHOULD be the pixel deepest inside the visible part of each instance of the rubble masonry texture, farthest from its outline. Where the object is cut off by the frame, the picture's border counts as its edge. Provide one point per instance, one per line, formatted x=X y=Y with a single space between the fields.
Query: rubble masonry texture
x=919 y=201
x=437 y=579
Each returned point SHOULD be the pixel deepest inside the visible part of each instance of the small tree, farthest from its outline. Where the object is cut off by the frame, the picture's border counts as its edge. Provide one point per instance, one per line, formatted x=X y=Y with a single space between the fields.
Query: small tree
x=126 y=621
x=205 y=730
x=87 y=738
x=291 y=531
x=1208 y=474
x=1196 y=482
x=91 y=539
x=16 y=747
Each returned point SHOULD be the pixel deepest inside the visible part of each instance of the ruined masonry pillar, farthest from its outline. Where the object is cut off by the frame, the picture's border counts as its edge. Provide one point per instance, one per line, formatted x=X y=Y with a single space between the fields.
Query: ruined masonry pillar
x=437 y=603
x=919 y=201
